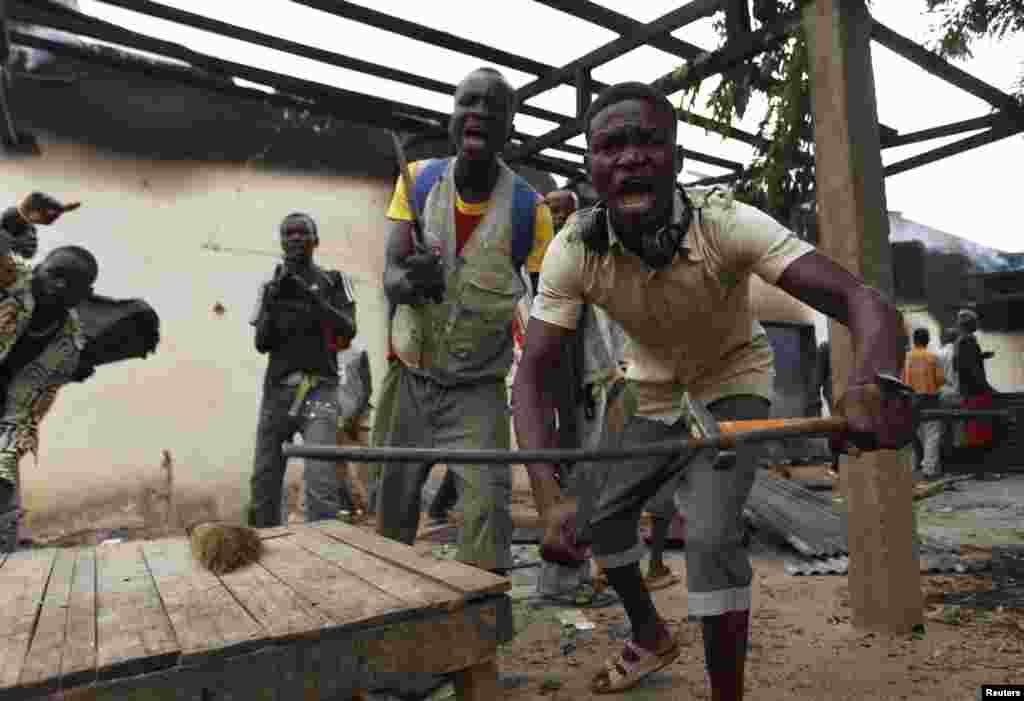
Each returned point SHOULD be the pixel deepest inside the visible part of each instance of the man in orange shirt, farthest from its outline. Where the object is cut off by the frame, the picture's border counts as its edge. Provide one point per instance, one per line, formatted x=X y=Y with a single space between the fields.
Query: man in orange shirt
x=923 y=373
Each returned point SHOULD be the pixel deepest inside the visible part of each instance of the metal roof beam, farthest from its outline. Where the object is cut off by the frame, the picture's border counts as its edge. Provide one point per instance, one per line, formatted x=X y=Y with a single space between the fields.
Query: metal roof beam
x=938 y=66
x=716 y=62
x=436 y=37
x=622 y=24
x=952 y=129
x=996 y=133
x=190 y=19
x=308 y=94
x=160 y=11
x=680 y=17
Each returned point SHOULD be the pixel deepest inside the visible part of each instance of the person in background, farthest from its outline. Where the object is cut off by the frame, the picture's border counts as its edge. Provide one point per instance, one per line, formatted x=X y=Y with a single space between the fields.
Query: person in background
x=303 y=315
x=923 y=373
x=41 y=344
x=562 y=204
x=354 y=388
x=972 y=380
x=949 y=393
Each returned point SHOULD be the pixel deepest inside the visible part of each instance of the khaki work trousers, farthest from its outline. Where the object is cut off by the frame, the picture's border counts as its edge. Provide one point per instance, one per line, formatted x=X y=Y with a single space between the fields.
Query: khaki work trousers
x=414 y=411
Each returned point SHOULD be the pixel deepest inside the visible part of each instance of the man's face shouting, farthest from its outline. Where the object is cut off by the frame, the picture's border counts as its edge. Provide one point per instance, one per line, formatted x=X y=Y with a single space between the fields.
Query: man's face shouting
x=481 y=121
x=632 y=164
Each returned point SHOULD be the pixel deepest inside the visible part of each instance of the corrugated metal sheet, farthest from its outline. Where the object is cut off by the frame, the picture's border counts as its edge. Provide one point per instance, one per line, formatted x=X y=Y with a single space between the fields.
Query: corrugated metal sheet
x=801 y=518
x=940 y=563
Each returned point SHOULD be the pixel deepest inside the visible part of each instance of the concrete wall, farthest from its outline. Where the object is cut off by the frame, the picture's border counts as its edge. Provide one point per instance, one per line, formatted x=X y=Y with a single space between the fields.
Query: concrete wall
x=149 y=224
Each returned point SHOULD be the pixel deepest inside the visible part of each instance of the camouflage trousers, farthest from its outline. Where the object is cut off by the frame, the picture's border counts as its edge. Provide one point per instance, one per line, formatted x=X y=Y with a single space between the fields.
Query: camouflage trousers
x=415 y=412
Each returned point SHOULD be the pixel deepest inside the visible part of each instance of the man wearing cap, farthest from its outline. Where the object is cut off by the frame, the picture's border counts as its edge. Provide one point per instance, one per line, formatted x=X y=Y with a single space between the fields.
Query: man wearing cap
x=304 y=315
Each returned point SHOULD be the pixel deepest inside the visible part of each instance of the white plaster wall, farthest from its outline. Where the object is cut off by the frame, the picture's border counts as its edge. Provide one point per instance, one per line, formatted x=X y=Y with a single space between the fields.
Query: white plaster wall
x=147 y=223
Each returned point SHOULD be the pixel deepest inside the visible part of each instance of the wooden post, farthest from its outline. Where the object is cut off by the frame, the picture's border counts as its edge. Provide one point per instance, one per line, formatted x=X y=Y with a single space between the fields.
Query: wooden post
x=884 y=577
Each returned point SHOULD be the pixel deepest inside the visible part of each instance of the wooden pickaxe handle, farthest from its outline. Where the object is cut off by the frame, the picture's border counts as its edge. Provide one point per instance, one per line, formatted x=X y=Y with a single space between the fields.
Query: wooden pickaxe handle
x=785 y=428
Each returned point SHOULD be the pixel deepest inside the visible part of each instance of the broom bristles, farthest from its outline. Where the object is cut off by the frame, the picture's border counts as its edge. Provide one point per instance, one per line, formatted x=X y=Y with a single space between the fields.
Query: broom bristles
x=225 y=547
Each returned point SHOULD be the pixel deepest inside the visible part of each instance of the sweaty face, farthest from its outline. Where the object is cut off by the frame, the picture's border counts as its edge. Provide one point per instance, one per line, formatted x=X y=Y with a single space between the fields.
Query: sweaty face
x=561 y=204
x=61 y=280
x=632 y=163
x=298 y=242
x=481 y=121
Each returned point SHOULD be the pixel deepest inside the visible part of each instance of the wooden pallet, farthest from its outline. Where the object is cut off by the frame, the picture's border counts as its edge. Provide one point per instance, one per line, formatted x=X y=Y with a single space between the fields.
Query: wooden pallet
x=328 y=609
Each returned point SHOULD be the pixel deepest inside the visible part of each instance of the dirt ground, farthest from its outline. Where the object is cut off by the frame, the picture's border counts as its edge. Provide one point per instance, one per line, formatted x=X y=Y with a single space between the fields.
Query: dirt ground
x=802 y=643
x=802 y=647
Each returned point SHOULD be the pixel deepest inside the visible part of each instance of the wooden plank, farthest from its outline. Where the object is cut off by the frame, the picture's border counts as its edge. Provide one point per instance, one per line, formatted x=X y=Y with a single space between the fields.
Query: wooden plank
x=413 y=588
x=23 y=581
x=133 y=633
x=436 y=643
x=281 y=611
x=206 y=618
x=345 y=598
x=78 y=661
x=884 y=578
x=43 y=662
x=274 y=532
x=472 y=582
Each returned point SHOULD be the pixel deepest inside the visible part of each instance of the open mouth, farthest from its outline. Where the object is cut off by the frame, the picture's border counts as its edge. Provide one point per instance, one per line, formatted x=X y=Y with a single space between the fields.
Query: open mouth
x=637 y=194
x=474 y=135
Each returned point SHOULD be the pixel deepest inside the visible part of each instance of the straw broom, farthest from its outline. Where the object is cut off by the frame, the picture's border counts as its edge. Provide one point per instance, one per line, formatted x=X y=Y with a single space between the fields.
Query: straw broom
x=224 y=547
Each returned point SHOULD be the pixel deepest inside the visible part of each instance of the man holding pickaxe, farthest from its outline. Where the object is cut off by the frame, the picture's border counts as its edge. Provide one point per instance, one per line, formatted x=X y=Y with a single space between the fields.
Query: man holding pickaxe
x=673 y=267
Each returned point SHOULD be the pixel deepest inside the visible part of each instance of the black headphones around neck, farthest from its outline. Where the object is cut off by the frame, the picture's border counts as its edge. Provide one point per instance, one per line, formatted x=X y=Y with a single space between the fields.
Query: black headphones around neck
x=659 y=248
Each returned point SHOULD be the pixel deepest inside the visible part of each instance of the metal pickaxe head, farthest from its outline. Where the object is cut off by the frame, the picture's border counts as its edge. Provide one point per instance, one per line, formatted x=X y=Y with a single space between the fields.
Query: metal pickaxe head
x=893 y=387
x=703 y=424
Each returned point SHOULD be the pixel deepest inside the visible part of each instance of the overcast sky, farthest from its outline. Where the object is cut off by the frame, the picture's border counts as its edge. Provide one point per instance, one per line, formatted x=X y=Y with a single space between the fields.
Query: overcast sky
x=971 y=195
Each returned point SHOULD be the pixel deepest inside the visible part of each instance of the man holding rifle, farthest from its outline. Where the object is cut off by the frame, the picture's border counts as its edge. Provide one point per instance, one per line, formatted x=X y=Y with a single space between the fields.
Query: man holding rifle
x=461 y=231
x=673 y=268
x=304 y=316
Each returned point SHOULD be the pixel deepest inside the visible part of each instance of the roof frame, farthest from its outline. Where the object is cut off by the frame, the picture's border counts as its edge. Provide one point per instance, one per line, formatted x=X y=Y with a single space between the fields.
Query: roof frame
x=1006 y=121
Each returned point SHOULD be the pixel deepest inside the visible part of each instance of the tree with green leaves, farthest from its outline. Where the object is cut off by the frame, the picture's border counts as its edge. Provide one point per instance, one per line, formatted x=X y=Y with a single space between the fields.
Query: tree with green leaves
x=964 y=22
x=781 y=176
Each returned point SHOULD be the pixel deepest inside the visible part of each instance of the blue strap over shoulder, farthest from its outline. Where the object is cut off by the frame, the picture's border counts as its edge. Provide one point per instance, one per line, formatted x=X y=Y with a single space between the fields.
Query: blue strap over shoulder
x=524 y=205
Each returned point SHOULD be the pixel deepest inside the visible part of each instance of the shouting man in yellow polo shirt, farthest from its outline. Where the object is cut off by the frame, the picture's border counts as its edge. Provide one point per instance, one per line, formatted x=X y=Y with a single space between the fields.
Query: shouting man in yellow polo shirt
x=673 y=268
x=451 y=325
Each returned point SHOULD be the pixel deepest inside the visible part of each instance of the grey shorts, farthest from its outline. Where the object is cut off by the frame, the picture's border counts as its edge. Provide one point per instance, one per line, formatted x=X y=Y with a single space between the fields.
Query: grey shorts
x=718 y=567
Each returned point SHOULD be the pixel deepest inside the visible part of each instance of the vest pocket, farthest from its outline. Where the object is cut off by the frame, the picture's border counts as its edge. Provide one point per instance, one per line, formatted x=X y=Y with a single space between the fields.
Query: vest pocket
x=481 y=324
